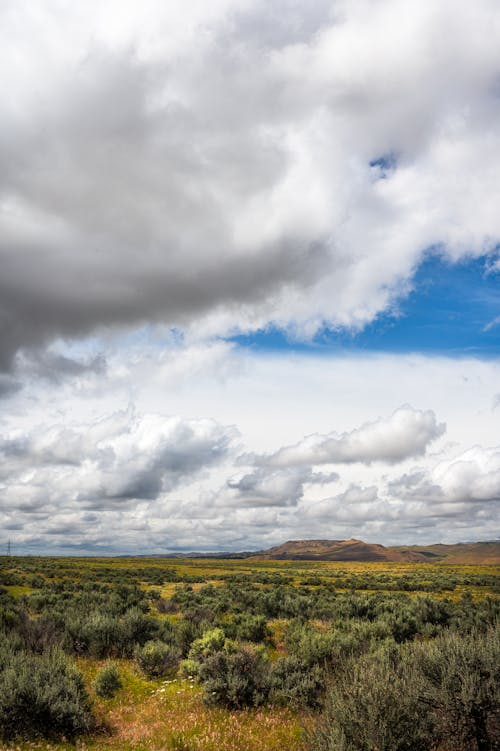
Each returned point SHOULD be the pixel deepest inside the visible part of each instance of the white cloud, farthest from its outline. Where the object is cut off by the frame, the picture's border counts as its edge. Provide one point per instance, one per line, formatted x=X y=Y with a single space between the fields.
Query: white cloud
x=69 y=475
x=263 y=486
x=471 y=477
x=491 y=324
x=406 y=433
x=208 y=165
x=118 y=460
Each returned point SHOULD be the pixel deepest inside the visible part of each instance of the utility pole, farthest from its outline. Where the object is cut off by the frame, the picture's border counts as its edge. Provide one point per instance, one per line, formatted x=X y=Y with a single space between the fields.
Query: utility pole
x=8 y=549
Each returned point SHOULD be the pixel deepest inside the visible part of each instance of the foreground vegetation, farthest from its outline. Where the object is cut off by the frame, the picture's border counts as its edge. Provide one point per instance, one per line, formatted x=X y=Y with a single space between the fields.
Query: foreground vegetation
x=214 y=655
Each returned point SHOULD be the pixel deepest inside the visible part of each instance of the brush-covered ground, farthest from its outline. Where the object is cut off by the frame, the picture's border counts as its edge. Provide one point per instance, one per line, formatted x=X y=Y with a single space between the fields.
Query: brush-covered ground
x=239 y=655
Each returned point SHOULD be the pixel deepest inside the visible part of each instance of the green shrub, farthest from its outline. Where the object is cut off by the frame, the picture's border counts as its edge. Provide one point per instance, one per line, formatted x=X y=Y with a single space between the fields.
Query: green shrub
x=105 y=635
x=186 y=633
x=443 y=694
x=372 y=705
x=96 y=634
x=137 y=629
x=247 y=627
x=9 y=646
x=42 y=695
x=308 y=644
x=211 y=642
x=461 y=688
x=107 y=681
x=157 y=659
x=296 y=684
x=235 y=679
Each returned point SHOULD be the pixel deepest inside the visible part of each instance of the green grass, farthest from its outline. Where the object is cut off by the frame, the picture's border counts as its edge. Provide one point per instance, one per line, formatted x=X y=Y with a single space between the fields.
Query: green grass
x=17 y=590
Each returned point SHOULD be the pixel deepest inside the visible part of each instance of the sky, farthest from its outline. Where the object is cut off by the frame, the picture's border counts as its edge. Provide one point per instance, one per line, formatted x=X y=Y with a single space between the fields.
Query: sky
x=249 y=273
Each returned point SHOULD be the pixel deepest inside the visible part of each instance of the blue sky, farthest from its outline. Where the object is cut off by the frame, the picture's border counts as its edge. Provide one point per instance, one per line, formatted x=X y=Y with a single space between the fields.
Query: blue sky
x=453 y=309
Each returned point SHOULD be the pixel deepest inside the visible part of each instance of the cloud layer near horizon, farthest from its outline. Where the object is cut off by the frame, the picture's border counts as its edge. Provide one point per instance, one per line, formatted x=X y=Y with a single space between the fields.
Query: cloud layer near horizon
x=130 y=480
x=229 y=164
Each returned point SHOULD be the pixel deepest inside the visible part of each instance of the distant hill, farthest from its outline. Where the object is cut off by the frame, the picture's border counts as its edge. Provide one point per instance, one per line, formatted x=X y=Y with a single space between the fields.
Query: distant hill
x=357 y=550
x=471 y=552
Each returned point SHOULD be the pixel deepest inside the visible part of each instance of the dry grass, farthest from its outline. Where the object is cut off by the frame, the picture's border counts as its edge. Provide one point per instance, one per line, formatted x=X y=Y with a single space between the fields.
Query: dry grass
x=171 y=716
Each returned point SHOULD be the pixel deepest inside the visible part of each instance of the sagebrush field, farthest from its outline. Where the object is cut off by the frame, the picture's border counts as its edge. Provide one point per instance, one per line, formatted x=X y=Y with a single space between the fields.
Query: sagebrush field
x=238 y=655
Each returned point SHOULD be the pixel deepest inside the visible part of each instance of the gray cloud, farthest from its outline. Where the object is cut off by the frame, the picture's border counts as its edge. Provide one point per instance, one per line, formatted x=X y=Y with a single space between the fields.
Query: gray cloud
x=255 y=511
x=55 y=367
x=47 y=365
x=207 y=166
x=414 y=484
x=406 y=433
x=136 y=481
x=263 y=487
x=119 y=459
x=405 y=510
x=471 y=478
x=356 y=504
x=8 y=386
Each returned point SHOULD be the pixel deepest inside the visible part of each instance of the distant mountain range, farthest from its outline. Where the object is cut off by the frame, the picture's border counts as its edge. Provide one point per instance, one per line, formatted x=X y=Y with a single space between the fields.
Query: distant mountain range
x=357 y=550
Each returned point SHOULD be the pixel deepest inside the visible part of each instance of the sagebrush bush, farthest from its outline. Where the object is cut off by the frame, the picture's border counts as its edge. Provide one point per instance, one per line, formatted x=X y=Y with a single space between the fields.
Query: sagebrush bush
x=186 y=633
x=95 y=634
x=42 y=695
x=461 y=688
x=444 y=693
x=107 y=681
x=296 y=684
x=308 y=644
x=373 y=704
x=212 y=641
x=157 y=659
x=247 y=627
x=235 y=679
x=99 y=634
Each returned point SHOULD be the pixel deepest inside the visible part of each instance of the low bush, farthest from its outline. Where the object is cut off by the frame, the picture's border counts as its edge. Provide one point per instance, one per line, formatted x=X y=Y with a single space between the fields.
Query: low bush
x=157 y=659
x=247 y=627
x=372 y=704
x=294 y=683
x=308 y=644
x=42 y=695
x=460 y=687
x=235 y=679
x=444 y=693
x=107 y=681
x=212 y=641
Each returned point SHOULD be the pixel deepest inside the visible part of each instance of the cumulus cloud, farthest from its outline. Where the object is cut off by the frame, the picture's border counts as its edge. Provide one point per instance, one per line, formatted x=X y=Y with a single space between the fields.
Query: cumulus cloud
x=68 y=476
x=471 y=477
x=406 y=433
x=356 y=504
x=270 y=487
x=120 y=459
x=412 y=507
x=232 y=163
